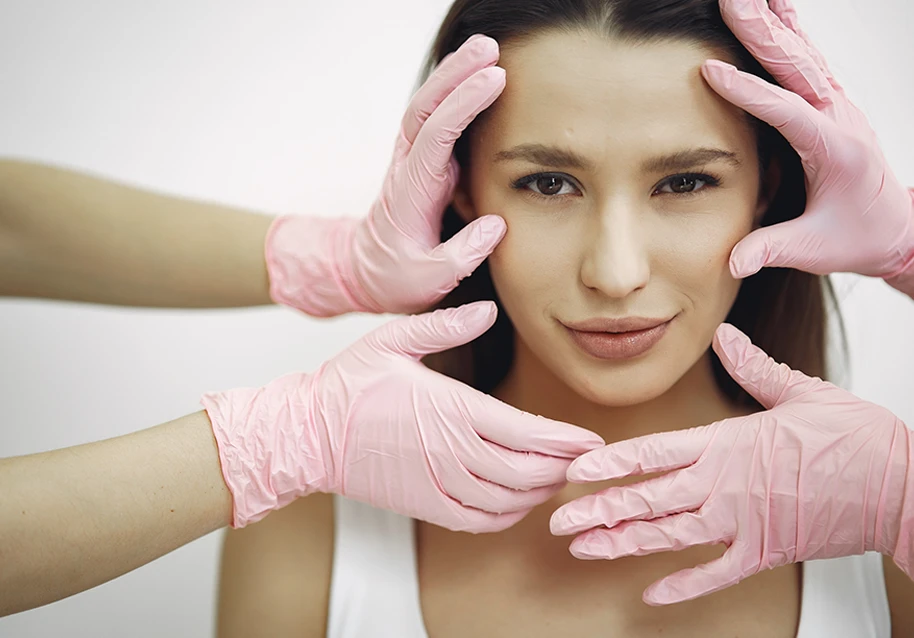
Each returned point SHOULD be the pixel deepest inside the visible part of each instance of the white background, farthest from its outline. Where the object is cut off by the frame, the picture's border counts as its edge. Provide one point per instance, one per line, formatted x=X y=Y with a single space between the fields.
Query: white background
x=280 y=106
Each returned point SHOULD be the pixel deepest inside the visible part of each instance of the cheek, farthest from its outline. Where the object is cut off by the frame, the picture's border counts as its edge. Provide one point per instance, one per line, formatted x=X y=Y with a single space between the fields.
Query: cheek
x=695 y=257
x=533 y=267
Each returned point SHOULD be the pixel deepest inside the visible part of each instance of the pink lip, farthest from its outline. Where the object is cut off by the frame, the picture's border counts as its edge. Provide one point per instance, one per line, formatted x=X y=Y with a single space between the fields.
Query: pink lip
x=617 y=338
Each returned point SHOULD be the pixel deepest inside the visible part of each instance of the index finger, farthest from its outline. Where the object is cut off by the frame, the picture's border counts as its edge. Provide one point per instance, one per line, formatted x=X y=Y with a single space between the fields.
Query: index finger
x=524 y=432
x=660 y=452
x=477 y=53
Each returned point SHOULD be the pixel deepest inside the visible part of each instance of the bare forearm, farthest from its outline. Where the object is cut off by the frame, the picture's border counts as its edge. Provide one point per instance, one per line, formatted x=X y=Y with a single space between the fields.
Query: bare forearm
x=75 y=518
x=67 y=235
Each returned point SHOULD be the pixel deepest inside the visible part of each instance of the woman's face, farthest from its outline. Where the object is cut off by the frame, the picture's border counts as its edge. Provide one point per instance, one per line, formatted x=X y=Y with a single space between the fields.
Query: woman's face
x=625 y=182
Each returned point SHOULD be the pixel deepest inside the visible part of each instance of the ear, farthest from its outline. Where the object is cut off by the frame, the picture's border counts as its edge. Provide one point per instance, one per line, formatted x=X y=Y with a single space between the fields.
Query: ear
x=463 y=203
x=771 y=181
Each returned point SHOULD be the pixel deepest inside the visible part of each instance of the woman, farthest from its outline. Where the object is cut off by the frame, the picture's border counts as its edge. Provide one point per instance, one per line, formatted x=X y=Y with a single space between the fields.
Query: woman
x=625 y=182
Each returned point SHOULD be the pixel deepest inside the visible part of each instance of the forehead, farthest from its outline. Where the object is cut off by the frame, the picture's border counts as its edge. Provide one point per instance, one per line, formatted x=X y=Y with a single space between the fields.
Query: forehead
x=597 y=93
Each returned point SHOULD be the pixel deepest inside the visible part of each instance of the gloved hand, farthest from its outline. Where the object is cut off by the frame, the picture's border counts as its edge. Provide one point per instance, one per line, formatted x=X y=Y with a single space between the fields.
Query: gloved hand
x=375 y=425
x=393 y=260
x=819 y=474
x=858 y=218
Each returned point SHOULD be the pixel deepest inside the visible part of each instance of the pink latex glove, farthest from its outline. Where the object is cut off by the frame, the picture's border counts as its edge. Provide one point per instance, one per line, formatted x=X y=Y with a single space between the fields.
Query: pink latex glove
x=375 y=425
x=819 y=474
x=858 y=217
x=393 y=260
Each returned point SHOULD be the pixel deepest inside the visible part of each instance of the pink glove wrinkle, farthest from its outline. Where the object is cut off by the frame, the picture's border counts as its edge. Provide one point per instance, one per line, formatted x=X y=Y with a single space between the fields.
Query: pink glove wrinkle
x=818 y=474
x=375 y=425
x=859 y=217
x=393 y=259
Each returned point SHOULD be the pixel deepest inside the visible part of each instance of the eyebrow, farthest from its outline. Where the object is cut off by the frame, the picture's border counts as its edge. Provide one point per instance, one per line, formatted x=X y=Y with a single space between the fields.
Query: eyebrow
x=564 y=158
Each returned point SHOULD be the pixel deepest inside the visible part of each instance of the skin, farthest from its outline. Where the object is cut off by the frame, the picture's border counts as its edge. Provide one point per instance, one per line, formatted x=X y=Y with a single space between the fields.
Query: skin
x=615 y=242
x=68 y=235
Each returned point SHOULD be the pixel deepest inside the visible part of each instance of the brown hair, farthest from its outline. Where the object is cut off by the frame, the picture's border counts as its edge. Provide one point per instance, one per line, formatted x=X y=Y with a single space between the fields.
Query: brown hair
x=783 y=311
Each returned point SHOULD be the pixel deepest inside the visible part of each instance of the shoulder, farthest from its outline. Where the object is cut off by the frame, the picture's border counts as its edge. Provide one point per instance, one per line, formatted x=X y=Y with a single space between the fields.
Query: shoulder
x=275 y=574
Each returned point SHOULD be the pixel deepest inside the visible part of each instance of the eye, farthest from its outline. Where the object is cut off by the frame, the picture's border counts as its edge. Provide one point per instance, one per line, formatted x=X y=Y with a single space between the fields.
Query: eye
x=686 y=183
x=547 y=185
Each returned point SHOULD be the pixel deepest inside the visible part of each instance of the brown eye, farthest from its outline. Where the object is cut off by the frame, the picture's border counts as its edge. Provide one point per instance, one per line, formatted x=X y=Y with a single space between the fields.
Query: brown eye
x=549 y=185
x=683 y=184
x=687 y=184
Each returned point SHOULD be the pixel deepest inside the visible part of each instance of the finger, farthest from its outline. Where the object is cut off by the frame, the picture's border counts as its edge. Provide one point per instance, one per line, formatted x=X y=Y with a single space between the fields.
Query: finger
x=478 y=52
x=785 y=245
x=769 y=382
x=419 y=335
x=787 y=14
x=423 y=179
x=435 y=141
x=783 y=53
x=467 y=519
x=465 y=251
x=517 y=430
x=659 y=452
x=640 y=538
x=508 y=468
x=662 y=496
x=694 y=582
x=802 y=125
x=472 y=491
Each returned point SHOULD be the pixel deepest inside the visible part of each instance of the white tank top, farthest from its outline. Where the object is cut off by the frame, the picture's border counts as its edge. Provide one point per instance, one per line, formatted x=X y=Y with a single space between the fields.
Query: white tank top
x=374 y=588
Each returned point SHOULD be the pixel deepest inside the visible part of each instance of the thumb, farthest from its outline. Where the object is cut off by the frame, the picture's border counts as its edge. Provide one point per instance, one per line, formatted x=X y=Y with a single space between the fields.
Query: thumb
x=466 y=250
x=436 y=331
x=784 y=245
x=769 y=382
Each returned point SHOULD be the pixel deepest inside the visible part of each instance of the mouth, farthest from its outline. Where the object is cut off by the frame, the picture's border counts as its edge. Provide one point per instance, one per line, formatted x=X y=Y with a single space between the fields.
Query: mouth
x=614 y=339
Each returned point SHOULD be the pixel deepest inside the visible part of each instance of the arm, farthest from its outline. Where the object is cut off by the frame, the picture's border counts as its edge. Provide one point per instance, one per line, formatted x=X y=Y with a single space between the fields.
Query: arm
x=75 y=518
x=900 y=590
x=275 y=578
x=69 y=236
x=66 y=235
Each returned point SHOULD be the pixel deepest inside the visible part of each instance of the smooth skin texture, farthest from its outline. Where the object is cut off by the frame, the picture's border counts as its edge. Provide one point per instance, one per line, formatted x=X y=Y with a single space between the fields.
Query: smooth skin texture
x=72 y=519
x=78 y=237
x=559 y=261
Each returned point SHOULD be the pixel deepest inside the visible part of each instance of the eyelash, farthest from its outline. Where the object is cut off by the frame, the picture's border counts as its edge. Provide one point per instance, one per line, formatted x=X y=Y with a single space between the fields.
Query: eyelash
x=707 y=179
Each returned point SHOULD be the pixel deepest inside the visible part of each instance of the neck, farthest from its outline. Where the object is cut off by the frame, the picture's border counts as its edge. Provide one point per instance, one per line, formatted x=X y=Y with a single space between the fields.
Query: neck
x=692 y=401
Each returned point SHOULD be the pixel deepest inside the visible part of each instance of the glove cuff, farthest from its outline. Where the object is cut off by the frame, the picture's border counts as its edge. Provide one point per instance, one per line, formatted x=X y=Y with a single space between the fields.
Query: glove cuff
x=895 y=527
x=268 y=447
x=309 y=262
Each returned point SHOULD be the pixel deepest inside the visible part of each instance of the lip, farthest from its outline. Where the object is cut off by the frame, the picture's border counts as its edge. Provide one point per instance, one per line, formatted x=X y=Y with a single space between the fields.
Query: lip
x=623 y=338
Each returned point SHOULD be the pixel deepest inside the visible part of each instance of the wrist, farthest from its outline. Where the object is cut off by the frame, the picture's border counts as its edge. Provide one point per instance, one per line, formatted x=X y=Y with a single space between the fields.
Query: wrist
x=309 y=263
x=894 y=535
x=268 y=446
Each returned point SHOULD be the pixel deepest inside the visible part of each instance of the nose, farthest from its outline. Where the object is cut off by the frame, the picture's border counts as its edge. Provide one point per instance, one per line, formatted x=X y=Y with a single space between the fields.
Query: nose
x=616 y=259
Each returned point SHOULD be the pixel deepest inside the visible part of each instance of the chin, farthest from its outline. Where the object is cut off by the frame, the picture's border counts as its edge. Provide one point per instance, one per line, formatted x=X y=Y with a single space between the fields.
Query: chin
x=620 y=388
